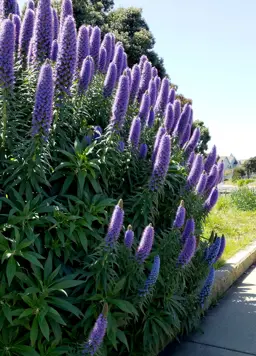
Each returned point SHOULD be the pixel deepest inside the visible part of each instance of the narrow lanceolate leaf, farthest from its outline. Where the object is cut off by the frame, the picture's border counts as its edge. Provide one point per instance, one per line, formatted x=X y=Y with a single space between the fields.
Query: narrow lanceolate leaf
x=64 y=305
x=44 y=327
x=124 y=305
x=34 y=331
x=11 y=269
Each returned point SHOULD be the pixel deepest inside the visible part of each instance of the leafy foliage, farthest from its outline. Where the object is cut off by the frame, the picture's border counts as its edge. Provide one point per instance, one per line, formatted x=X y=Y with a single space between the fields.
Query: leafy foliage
x=244 y=199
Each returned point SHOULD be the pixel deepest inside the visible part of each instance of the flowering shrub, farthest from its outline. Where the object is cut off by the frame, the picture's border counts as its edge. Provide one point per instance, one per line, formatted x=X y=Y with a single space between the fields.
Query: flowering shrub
x=98 y=253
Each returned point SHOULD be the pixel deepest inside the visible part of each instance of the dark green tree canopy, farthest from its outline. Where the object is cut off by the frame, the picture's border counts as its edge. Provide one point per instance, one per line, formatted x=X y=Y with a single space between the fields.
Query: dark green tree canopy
x=250 y=166
x=204 y=138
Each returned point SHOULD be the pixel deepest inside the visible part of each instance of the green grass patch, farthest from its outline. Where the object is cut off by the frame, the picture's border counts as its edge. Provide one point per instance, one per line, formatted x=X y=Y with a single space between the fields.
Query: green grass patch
x=239 y=227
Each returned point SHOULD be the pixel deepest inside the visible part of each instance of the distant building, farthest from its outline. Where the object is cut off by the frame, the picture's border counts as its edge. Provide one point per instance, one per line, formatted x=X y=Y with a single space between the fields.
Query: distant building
x=230 y=162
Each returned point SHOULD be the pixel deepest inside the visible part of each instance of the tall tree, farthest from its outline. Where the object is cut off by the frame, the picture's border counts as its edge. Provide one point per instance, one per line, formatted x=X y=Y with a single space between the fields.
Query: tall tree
x=250 y=166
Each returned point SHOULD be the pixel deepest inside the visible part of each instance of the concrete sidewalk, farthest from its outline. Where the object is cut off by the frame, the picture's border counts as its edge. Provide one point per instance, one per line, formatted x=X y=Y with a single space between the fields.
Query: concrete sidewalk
x=229 y=329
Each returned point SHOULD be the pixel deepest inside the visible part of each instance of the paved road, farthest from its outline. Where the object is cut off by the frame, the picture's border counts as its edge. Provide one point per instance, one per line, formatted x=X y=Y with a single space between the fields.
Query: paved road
x=229 y=329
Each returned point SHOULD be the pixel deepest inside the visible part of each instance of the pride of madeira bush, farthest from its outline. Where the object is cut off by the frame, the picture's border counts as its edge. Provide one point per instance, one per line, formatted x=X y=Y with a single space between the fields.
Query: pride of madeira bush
x=103 y=195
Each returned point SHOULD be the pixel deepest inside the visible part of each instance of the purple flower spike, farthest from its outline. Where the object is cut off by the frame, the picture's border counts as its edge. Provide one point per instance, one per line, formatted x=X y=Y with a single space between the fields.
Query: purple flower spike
x=144 y=108
x=43 y=32
x=134 y=135
x=213 y=251
x=8 y=7
x=92 y=67
x=55 y=25
x=154 y=72
x=31 y=5
x=118 y=59
x=210 y=160
x=146 y=244
x=161 y=131
x=107 y=44
x=96 y=336
x=188 y=230
x=112 y=48
x=26 y=34
x=128 y=72
x=162 y=162
x=145 y=79
x=83 y=48
x=182 y=122
x=121 y=146
x=17 y=25
x=180 y=216
x=168 y=120
x=152 y=91
x=135 y=82
x=143 y=60
x=221 y=249
x=115 y=226
x=172 y=95
x=162 y=98
x=66 y=60
x=17 y=9
x=85 y=76
x=42 y=114
x=125 y=61
x=66 y=10
x=143 y=151
x=206 y=290
x=54 y=52
x=30 y=52
x=221 y=168
x=129 y=237
x=196 y=171
x=191 y=160
x=121 y=102
x=102 y=59
x=151 y=118
x=95 y=40
x=152 y=278
x=110 y=80
x=6 y=54
x=200 y=188
x=158 y=84
x=177 y=112
x=193 y=142
x=97 y=132
x=186 y=136
x=188 y=251
x=212 y=199
x=212 y=178
x=89 y=28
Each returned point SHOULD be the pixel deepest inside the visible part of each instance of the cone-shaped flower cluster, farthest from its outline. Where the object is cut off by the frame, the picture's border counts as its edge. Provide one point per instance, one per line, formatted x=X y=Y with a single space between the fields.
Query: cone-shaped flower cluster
x=17 y=26
x=161 y=163
x=115 y=226
x=213 y=251
x=221 y=168
x=110 y=80
x=8 y=7
x=182 y=122
x=161 y=131
x=31 y=5
x=83 y=48
x=96 y=336
x=169 y=116
x=210 y=160
x=146 y=244
x=222 y=248
x=180 y=216
x=120 y=105
x=42 y=114
x=171 y=96
x=66 y=60
x=152 y=91
x=135 y=82
x=102 y=59
x=188 y=251
x=145 y=78
x=54 y=51
x=212 y=178
x=152 y=278
x=6 y=54
x=42 y=32
x=26 y=34
x=85 y=75
x=191 y=160
x=200 y=188
x=95 y=41
x=118 y=58
x=196 y=171
x=162 y=98
x=193 y=142
x=177 y=112
x=151 y=118
x=143 y=151
x=66 y=10
x=211 y=200
x=129 y=237
x=134 y=135
x=206 y=290
x=188 y=230
x=55 y=25
x=144 y=107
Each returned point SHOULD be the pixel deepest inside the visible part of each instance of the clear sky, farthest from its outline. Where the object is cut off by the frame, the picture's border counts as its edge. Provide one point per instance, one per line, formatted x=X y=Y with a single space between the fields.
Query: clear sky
x=209 y=51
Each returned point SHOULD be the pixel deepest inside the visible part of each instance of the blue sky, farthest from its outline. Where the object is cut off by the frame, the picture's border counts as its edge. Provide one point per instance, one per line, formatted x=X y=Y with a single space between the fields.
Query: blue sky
x=210 y=53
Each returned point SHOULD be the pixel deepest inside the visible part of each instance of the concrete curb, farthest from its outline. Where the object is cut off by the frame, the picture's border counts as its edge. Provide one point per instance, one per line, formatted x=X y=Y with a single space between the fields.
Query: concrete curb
x=232 y=270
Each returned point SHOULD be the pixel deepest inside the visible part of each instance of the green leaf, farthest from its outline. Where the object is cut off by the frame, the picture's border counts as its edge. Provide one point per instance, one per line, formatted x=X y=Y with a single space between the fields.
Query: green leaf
x=124 y=305
x=65 y=284
x=34 y=331
x=26 y=313
x=11 y=269
x=119 y=286
x=65 y=305
x=31 y=258
x=53 y=314
x=48 y=266
x=67 y=183
x=44 y=327
x=25 y=350
x=7 y=313
x=121 y=336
